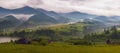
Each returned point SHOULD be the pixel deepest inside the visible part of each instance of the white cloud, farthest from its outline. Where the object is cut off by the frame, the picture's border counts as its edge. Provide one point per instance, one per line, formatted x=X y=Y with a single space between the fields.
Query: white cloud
x=99 y=7
x=22 y=16
x=12 y=4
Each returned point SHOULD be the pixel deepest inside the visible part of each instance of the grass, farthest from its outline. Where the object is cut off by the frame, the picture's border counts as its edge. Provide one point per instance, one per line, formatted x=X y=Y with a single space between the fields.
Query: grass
x=58 y=48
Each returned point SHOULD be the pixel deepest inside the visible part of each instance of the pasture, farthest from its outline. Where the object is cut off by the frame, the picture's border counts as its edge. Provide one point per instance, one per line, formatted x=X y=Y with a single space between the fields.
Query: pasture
x=58 y=48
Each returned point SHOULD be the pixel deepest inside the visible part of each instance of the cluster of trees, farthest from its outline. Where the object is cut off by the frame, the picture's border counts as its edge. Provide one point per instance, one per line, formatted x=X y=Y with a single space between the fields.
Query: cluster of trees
x=23 y=33
x=111 y=33
x=36 y=41
x=79 y=41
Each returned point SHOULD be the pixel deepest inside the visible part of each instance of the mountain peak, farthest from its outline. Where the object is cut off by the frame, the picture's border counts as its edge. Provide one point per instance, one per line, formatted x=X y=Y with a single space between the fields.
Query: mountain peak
x=76 y=12
x=10 y=17
x=3 y=9
x=27 y=7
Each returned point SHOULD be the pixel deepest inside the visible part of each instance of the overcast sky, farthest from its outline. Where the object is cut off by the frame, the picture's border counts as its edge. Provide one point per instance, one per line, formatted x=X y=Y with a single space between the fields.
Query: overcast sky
x=99 y=7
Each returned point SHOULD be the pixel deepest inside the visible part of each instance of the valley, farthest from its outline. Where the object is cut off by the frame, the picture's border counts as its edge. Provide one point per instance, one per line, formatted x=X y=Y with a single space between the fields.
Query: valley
x=36 y=30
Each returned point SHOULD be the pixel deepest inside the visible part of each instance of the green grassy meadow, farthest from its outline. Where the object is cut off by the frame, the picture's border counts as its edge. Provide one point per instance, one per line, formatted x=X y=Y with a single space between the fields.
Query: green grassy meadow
x=58 y=48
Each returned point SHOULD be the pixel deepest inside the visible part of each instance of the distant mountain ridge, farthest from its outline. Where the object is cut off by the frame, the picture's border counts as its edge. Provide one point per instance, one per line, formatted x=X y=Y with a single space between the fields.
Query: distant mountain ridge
x=44 y=17
x=40 y=17
x=30 y=10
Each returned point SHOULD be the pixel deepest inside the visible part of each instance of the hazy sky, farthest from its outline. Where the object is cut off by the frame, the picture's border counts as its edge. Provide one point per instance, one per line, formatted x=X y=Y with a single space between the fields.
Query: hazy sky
x=100 y=7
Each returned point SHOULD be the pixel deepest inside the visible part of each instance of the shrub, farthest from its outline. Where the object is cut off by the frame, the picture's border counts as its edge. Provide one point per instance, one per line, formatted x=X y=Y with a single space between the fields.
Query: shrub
x=44 y=42
x=81 y=42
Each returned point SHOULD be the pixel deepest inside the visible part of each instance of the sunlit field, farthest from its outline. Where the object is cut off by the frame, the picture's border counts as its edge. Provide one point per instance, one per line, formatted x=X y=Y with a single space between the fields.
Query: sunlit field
x=59 y=48
x=59 y=26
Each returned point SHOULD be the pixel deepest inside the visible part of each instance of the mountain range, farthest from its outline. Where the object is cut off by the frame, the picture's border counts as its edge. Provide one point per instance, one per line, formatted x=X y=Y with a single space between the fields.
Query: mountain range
x=40 y=17
x=43 y=17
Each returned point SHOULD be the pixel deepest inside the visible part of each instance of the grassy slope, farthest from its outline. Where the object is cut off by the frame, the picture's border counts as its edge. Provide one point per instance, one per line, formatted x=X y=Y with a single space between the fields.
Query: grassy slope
x=8 y=48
